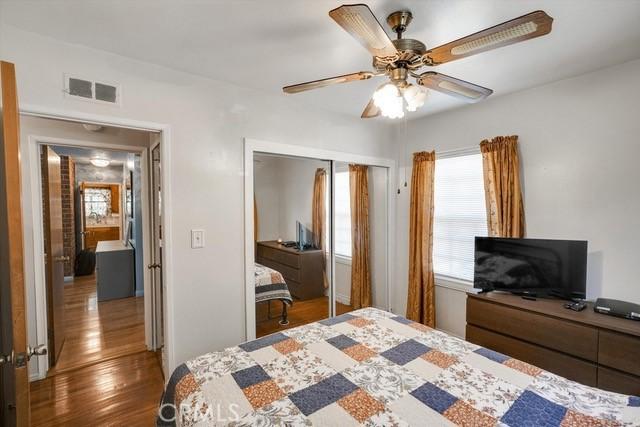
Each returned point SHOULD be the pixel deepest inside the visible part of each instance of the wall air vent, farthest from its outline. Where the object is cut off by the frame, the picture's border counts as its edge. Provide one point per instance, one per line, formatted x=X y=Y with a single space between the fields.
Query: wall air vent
x=91 y=90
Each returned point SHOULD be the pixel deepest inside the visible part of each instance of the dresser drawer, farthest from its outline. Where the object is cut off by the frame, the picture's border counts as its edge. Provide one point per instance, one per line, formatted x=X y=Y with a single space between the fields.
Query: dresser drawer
x=558 y=363
x=553 y=333
x=287 y=272
x=619 y=351
x=292 y=260
x=619 y=382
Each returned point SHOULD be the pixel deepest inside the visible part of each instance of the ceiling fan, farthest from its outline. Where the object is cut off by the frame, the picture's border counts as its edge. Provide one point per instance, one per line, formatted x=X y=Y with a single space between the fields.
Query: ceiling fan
x=403 y=58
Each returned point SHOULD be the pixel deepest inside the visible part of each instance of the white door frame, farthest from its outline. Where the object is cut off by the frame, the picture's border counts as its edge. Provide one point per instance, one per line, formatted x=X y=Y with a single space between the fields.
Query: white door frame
x=32 y=157
x=253 y=146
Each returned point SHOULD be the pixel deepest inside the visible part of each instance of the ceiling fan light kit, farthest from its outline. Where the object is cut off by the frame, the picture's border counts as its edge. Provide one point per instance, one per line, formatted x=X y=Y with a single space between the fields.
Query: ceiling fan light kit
x=402 y=58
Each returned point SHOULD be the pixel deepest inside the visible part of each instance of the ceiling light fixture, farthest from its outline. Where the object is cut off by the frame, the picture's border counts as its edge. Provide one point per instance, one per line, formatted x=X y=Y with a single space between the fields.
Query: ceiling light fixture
x=100 y=162
x=391 y=99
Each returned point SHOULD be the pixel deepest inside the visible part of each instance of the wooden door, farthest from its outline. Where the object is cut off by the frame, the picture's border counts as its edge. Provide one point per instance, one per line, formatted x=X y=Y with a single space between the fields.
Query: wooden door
x=157 y=288
x=54 y=249
x=14 y=375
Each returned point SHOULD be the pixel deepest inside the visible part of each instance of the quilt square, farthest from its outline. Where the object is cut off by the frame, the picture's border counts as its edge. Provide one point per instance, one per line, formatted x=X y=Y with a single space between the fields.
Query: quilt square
x=634 y=401
x=319 y=395
x=405 y=352
x=313 y=332
x=493 y=355
x=280 y=412
x=263 y=393
x=386 y=419
x=288 y=346
x=359 y=352
x=215 y=365
x=337 y=319
x=578 y=397
x=480 y=389
x=263 y=342
x=446 y=343
x=383 y=379
x=576 y=419
x=439 y=359
x=360 y=405
x=298 y=370
x=376 y=337
x=250 y=376
x=332 y=415
x=341 y=342
x=523 y=367
x=434 y=397
x=359 y=322
x=535 y=410
x=463 y=414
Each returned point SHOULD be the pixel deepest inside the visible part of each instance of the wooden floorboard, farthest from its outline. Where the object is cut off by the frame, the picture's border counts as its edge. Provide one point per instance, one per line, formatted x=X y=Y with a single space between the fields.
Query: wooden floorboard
x=301 y=313
x=97 y=331
x=118 y=392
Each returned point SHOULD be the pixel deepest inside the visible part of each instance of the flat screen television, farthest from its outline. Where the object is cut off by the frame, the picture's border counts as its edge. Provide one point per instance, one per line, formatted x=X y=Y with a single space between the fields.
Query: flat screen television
x=536 y=267
x=304 y=237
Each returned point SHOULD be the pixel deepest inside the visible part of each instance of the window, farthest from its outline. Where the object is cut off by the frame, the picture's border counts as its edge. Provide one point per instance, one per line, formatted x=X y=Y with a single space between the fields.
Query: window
x=97 y=201
x=459 y=214
x=343 y=215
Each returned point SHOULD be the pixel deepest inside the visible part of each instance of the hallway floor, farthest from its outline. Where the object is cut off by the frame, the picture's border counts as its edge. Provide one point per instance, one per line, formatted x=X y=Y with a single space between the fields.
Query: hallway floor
x=104 y=374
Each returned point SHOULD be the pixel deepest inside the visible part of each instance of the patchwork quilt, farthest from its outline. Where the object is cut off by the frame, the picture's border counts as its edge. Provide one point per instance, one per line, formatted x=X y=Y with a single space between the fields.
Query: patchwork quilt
x=270 y=285
x=374 y=368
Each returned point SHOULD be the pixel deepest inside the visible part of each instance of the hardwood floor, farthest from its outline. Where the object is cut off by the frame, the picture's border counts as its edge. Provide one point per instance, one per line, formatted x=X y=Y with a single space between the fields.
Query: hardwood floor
x=104 y=374
x=301 y=313
x=118 y=392
x=98 y=331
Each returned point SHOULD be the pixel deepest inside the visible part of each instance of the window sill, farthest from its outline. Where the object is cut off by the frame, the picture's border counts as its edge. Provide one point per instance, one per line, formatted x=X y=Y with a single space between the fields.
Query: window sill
x=341 y=259
x=455 y=284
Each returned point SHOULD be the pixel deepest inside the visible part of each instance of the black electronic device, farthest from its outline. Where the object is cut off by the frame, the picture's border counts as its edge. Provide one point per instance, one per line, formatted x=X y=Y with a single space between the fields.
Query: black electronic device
x=576 y=306
x=617 y=308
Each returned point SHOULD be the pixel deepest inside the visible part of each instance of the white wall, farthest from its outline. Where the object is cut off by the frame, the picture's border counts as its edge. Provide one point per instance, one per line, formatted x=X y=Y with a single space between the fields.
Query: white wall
x=208 y=120
x=580 y=151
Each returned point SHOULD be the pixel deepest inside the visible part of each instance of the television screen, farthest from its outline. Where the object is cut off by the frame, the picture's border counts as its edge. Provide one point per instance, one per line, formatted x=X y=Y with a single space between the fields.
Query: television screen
x=531 y=266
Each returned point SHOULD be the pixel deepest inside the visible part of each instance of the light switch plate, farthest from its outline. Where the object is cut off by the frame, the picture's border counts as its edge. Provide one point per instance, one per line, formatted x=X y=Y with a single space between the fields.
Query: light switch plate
x=197 y=239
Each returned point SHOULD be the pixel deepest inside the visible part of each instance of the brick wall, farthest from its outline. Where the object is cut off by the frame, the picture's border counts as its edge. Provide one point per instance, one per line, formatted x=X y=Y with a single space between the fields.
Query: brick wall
x=67 y=175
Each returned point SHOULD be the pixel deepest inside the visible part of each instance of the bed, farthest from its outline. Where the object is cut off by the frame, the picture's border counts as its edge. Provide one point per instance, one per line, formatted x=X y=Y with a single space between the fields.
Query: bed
x=270 y=286
x=374 y=368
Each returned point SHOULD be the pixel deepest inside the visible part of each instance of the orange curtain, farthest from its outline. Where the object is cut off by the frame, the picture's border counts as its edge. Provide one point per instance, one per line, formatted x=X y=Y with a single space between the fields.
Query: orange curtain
x=421 y=296
x=503 y=192
x=360 y=268
x=318 y=215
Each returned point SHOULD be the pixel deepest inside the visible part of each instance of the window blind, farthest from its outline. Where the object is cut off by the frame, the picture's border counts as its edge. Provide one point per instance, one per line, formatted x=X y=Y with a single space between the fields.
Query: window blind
x=459 y=214
x=342 y=215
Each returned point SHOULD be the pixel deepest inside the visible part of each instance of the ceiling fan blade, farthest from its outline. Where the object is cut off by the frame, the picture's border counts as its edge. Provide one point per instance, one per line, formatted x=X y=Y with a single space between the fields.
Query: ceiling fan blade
x=455 y=87
x=361 y=23
x=370 y=110
x=315 y=84
x=531 y=25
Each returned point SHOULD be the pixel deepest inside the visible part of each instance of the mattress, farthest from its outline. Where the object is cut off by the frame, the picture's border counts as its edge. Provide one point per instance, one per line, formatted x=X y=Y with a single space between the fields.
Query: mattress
x=270 y=285
x=374 y=368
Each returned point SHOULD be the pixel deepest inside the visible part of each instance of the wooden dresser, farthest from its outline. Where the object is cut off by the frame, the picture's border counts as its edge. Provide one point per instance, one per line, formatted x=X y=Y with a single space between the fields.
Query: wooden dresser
x=302 y=270
x=587 y=347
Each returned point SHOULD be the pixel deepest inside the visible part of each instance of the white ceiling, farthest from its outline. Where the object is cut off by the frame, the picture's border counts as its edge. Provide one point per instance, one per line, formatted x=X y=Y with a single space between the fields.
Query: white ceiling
x=266 y=44
x=84 y=155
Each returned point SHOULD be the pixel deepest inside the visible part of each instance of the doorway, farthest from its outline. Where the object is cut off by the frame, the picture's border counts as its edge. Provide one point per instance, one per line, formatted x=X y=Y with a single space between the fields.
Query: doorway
x=104 y=312
x=283 y=253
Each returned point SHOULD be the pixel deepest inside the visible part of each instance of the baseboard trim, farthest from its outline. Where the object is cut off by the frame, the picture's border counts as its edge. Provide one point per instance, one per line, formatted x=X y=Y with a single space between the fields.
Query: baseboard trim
x=343 y=299
x=68 y=279
x=140 y=293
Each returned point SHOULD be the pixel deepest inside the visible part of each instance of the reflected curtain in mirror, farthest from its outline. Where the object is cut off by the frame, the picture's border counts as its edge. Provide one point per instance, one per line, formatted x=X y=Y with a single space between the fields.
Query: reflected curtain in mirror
x=421 y=293
x=503 y=192
x=319 y=215
x=360 y=268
